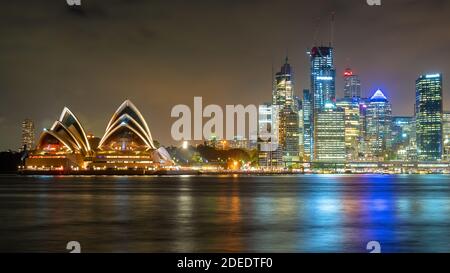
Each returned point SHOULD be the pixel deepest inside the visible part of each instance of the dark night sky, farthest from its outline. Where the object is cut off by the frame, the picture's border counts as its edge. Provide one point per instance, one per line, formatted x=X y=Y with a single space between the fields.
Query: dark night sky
x=163 y=53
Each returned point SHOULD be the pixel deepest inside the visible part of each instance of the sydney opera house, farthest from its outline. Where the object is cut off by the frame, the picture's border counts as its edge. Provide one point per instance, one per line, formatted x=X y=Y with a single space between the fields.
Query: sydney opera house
x=127 y=144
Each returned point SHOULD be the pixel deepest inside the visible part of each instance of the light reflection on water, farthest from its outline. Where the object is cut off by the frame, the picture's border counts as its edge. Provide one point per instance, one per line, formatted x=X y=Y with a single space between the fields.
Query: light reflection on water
x=225 y=213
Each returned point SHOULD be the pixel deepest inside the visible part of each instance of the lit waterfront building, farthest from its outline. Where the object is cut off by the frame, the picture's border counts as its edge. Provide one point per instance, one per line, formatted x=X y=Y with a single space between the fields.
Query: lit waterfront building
x=362 y=146
x=63 y=146
x=307 y=126
x=289 y=135
x=269 y=152
x=404 y=139
x=299 y=107
x=323 y=83
x=446 y=132
x=429 y=111
x=330 y=135
x=352 y=126
x=238 y=142
x=352 y=84
x=127 y=144
x=214 y=142
x=288 y=120
x=27 y=135
x=378 y=127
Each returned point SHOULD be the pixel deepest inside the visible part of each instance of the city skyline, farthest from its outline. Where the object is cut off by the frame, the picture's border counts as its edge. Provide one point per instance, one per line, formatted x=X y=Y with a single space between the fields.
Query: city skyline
x=70 y=72
x=209 y=130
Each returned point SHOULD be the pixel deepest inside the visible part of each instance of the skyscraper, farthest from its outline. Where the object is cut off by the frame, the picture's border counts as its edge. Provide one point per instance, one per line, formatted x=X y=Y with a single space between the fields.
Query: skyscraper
x=352 y=84
x=362 y=144
x=404 y=138
x=307 y=126
x=299 y=107
x=446 y=132
x=330 y=135
x=283 y=93
x=27 y=134
x=323 y=76
x=288 y=126
x=289 y=135
x=270 y=154
x=378 y=127
x=352 y=126
x=429 y=117
x=323 y=84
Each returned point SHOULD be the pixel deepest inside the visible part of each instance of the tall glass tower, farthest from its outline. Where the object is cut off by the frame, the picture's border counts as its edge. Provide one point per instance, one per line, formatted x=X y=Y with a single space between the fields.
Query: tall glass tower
x=283 y=93
x=446 y=131
x=323 y=85
x=307 y=126
x=323 y=76
x=429 y=117
x=268 y=144
x=378 y=130
x=404 y=138
x=288 y=115
x=352 y=84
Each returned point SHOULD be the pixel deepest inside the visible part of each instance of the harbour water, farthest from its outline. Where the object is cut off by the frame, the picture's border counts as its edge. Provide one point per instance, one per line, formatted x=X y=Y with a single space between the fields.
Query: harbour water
x=291 y=213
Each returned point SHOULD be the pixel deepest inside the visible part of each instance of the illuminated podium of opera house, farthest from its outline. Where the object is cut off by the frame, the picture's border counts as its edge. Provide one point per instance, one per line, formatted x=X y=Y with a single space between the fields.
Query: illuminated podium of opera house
x=126 y=145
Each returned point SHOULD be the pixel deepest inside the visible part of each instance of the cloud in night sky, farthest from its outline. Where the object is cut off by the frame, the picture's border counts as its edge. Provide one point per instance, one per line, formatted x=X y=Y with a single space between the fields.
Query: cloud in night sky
x=163 y=53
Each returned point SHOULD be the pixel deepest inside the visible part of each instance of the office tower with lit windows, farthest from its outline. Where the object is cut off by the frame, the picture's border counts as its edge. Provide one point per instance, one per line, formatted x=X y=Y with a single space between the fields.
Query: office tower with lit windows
x=429 y=111
x=378 y=127
x=289 y=135
x=323 y=76
x=446 y=133
x=283 y=93
x=404 y=139
x=28 y=135
x=269 y=152
x=288 y=127
x=299 y=107
x=330 y=135
x=362 y=146
x=323 y=84
x=240 y=142
x=352 y=126
x=352 y=84
x=307 y=126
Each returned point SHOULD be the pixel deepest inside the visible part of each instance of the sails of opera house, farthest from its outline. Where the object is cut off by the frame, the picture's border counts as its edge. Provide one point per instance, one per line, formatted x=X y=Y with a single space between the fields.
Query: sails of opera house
x=126 y=144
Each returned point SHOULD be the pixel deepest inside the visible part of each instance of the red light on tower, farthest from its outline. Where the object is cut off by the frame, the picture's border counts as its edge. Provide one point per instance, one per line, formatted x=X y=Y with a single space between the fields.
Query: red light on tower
x=348 y=72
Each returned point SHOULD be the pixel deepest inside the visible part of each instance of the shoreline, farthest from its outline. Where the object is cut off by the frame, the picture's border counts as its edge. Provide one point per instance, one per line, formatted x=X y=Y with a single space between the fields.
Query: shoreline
x=196 y=173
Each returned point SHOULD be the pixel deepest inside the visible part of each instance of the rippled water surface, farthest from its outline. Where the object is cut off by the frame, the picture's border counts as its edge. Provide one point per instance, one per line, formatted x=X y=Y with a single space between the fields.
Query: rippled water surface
x=225 y=213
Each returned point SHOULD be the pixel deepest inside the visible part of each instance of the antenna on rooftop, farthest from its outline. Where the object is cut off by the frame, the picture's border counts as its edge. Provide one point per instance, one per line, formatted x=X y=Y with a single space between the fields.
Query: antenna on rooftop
x=332 y=28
